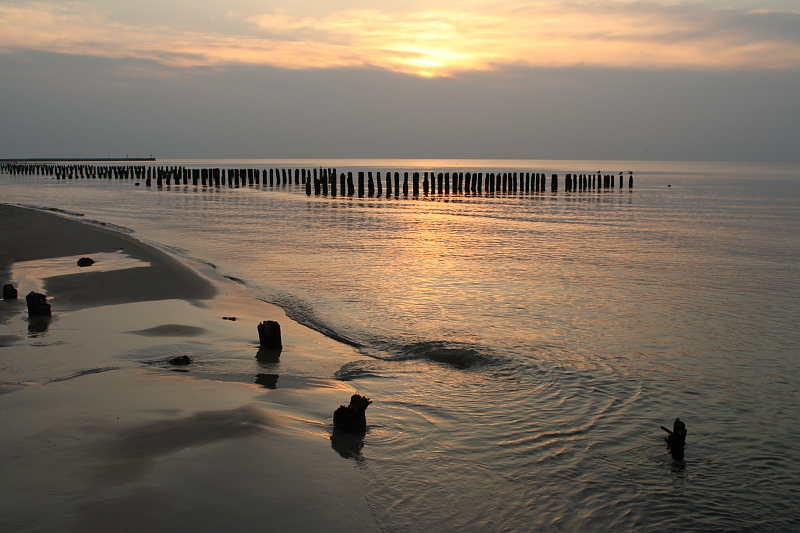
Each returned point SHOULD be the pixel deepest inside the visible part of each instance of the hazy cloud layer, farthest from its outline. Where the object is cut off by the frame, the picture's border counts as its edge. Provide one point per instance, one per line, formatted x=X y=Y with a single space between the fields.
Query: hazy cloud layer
x=85 y=107
x=442 y=38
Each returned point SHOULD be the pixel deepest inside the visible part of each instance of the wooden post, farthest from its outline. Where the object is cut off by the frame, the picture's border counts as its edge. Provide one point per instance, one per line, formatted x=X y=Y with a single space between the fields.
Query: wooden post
x=351 y=189
x=37 y=304
x=269 y=335
x=370 y=185
x=415 y=183
x=380 y=185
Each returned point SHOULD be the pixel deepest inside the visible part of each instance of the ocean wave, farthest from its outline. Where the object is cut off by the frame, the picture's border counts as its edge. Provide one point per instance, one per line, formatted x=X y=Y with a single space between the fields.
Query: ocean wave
x=456 y=355
x=302 y=313
x=453 y=354
x=109 y=225
x=53 y=209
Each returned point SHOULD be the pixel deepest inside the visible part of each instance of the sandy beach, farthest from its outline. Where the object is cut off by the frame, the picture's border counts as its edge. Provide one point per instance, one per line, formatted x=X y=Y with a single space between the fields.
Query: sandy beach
x=100 y=432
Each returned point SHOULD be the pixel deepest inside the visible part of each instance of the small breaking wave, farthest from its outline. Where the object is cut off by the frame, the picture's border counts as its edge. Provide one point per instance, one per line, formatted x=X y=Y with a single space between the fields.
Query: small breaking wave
x=302 y=313
x=53 y=209
x=461 y=356
x=456 y=355
x=109 y=225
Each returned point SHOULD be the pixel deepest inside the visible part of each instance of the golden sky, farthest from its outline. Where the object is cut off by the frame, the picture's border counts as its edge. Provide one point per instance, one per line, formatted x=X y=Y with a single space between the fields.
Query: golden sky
x=436 y=38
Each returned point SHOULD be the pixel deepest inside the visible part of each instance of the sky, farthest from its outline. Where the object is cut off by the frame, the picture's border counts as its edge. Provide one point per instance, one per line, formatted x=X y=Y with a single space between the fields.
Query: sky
x=705 y=80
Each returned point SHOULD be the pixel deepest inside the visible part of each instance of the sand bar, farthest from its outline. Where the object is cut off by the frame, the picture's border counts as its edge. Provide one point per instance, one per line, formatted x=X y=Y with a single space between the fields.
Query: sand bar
x=100 y=432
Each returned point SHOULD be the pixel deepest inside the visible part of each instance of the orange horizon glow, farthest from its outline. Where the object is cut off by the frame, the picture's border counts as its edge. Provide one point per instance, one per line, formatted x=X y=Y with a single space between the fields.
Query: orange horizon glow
x=422 y=43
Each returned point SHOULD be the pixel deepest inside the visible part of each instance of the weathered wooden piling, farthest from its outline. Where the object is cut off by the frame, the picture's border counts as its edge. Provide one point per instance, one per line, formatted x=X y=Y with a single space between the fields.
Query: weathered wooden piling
x=37 y=304
x=9 y=292
x=269 y=335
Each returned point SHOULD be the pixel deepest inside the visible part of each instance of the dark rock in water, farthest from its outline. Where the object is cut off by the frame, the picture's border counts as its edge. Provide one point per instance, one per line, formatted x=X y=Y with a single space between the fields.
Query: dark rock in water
x=37 y=304
x=269 y=335
x=353 y=418
x=181 y=360
x=9 y=292
x=231 y=318
x=85 y=261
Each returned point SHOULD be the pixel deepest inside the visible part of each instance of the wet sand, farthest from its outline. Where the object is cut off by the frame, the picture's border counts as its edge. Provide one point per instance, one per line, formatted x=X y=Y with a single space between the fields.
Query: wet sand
x=100 y=432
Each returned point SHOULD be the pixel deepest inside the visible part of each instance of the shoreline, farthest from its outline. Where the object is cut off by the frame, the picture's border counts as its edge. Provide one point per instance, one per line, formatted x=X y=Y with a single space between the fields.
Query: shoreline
x=101 y=432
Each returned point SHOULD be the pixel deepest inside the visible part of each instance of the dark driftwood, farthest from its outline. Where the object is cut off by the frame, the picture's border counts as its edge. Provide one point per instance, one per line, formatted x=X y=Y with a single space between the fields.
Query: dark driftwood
x=9 y=292
x=352 y=418
x=37 y=304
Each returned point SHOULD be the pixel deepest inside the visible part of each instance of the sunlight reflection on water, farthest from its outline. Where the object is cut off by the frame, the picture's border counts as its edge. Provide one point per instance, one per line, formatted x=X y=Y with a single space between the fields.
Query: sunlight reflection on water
x=527 y=347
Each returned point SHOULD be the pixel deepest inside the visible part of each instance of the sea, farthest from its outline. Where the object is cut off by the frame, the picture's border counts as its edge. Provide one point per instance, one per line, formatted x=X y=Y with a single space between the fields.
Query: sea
x=523 y=349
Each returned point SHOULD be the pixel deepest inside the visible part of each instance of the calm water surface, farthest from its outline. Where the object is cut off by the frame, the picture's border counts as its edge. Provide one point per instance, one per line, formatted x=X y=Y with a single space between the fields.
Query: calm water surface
x=524 y=349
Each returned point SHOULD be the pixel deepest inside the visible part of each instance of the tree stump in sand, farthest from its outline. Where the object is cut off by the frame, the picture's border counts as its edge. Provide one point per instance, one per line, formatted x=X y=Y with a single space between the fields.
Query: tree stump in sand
x=352 y=418
x=37 y=304
x=9 y=292
x=85 y=261
x=269 y=335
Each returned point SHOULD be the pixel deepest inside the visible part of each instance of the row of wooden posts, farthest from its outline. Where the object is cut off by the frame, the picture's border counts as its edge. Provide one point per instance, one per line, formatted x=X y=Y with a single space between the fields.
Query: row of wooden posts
x=327 y=182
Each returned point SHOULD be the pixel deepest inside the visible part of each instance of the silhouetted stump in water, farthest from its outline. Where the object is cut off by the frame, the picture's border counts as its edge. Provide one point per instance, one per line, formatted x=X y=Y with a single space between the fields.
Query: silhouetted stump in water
x=37 y=304
x=85 y=261
x=676 y=440
x=353 y=418
x=181 y=360
x=9 y=292
x=269 y=335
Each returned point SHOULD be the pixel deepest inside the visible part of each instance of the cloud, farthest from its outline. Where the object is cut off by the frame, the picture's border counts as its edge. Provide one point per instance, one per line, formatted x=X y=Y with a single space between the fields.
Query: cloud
x=432 y=42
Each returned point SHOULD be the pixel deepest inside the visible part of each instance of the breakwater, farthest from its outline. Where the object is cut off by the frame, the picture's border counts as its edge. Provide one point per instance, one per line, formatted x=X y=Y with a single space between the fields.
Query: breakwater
x=329 y=182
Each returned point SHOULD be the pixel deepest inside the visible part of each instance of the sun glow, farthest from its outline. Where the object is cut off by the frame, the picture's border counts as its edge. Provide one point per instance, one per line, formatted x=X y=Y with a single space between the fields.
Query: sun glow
x=426 y=43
